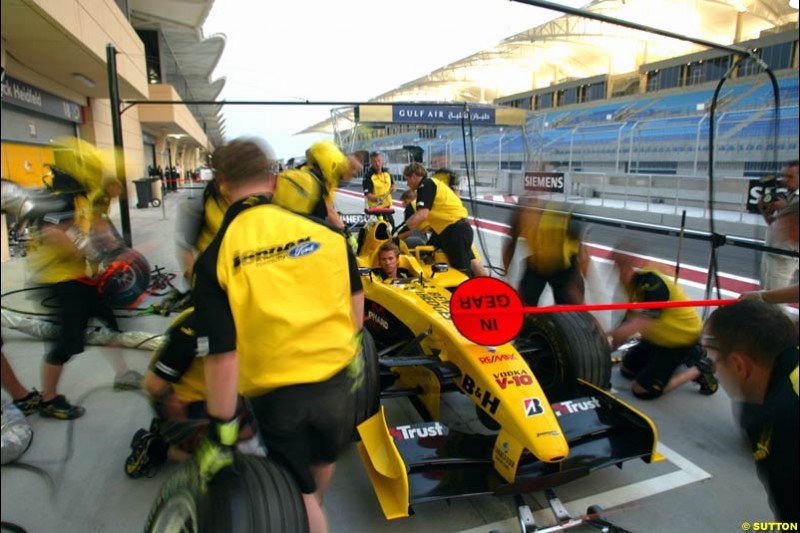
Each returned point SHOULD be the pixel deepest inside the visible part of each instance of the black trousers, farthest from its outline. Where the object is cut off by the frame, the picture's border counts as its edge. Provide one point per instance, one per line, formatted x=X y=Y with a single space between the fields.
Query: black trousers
x=456 y=242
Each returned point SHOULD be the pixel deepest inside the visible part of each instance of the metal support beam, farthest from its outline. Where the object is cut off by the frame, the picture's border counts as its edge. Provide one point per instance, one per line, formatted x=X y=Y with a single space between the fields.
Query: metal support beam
x=119 y=155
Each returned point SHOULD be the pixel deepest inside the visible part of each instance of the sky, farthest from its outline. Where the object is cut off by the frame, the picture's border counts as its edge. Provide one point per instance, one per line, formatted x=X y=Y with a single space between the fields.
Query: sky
x=349 y=50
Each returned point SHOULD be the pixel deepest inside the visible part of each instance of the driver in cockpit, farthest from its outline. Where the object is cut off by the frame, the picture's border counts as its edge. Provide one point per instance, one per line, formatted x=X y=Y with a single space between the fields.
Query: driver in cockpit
x=388 y=259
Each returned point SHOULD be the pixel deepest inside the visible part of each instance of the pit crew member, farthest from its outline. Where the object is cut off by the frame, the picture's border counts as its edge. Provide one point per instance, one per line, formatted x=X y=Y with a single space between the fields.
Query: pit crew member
x=277 y=330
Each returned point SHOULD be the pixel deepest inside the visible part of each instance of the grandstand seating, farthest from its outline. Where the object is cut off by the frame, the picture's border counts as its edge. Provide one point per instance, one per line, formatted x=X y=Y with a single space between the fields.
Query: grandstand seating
x=649 y=125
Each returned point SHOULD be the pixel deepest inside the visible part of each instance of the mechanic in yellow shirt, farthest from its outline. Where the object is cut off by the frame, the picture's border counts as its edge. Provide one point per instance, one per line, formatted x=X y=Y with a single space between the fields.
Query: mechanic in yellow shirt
x=278 y=331
x=439 y=206
x=60 y=262
x=311 y=189
x=378 y=183
x=200 y=220
x=175 y=385
x=557 y=256
x=670 y=336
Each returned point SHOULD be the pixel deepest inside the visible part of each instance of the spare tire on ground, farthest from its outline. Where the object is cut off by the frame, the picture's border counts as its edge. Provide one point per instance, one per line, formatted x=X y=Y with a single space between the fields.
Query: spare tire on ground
x=125 y=278
x=256 y=495
x=562 y=347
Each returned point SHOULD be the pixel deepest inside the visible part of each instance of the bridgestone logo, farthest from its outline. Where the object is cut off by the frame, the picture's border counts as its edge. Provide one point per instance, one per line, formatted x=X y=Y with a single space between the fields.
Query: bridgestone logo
x=532 y=406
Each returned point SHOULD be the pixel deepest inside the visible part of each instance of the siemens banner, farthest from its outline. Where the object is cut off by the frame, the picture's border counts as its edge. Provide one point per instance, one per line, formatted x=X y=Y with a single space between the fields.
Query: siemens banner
x=440 y=114
x=544 y=181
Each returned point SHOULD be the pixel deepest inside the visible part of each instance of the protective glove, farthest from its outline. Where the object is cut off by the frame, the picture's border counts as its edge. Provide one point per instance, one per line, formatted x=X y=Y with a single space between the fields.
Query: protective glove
x=216 y=450
x=353 y=242
x=355 y=370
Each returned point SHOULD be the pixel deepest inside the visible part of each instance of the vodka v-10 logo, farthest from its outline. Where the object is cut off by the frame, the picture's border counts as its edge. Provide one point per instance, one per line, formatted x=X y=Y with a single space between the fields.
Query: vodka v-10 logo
x=434 y=429
x=513 y=377
x=574 y=406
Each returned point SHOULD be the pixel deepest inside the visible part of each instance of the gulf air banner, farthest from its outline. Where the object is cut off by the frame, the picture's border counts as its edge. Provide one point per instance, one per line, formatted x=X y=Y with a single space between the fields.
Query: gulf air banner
x=440 y=114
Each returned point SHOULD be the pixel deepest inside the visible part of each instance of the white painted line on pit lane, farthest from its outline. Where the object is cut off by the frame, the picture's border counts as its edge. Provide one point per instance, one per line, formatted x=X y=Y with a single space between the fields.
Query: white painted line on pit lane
x=689 y=473
x=684 y=266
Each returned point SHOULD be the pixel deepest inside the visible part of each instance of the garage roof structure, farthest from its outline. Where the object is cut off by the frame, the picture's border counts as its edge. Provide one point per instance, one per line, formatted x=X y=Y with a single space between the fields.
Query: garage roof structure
x=571 y=47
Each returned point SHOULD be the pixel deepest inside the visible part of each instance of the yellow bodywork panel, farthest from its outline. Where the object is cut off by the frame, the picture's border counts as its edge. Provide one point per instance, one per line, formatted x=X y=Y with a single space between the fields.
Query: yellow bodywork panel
x=418 y=376
x=506 y=454
x=385 y=467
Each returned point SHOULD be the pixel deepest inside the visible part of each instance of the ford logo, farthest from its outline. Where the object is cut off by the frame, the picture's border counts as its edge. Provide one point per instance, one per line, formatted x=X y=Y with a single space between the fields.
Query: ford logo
x=304 y=248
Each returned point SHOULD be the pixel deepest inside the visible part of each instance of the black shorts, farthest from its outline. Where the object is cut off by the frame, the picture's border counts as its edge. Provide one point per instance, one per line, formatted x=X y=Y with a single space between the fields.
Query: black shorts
x=567 y=285
x=77 y=303
x=456 y=242
x=302 y=425
x=652 y=366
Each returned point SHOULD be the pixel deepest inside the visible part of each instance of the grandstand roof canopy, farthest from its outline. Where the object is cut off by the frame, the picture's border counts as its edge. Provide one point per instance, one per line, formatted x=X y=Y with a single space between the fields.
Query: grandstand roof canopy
x=572 y=47
x=180 y=22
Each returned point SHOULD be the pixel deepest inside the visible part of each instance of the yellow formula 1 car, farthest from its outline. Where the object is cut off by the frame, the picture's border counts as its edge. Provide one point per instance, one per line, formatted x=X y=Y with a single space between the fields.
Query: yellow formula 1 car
x=544 y=395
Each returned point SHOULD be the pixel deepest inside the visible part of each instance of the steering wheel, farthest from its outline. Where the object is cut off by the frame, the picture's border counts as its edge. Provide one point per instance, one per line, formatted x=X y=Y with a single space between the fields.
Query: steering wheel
x=404 y=281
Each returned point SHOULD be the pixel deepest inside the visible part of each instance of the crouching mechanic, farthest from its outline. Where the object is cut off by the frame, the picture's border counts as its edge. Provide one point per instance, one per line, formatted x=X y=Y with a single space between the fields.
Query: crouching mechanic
x=754 y=348
x=175 y=385
x=670 y=336
x=277 y=330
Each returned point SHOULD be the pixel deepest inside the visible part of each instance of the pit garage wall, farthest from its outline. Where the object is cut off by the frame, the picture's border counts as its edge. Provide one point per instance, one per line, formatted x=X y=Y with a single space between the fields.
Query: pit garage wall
x=24 y=161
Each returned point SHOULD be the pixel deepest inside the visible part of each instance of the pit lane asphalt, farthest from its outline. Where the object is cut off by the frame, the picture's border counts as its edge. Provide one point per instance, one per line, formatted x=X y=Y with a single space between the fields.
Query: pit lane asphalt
x=75 y=482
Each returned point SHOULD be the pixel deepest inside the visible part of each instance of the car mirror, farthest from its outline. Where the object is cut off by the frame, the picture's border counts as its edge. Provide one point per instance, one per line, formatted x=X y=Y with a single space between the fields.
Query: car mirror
x=439 y=267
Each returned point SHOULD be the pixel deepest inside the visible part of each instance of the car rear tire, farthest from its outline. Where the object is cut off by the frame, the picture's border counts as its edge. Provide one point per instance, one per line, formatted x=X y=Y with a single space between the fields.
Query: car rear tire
x=562 y=347
x=256 y=495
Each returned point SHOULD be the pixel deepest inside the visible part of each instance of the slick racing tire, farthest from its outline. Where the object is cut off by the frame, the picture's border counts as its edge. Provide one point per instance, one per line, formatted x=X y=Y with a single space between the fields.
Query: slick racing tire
x=125 y=278
x=562 y=347
x=255 y=495
x=365 y=401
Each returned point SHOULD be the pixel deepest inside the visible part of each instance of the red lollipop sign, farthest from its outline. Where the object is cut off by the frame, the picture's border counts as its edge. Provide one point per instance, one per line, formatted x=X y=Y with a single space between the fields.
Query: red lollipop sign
x=486 y=311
